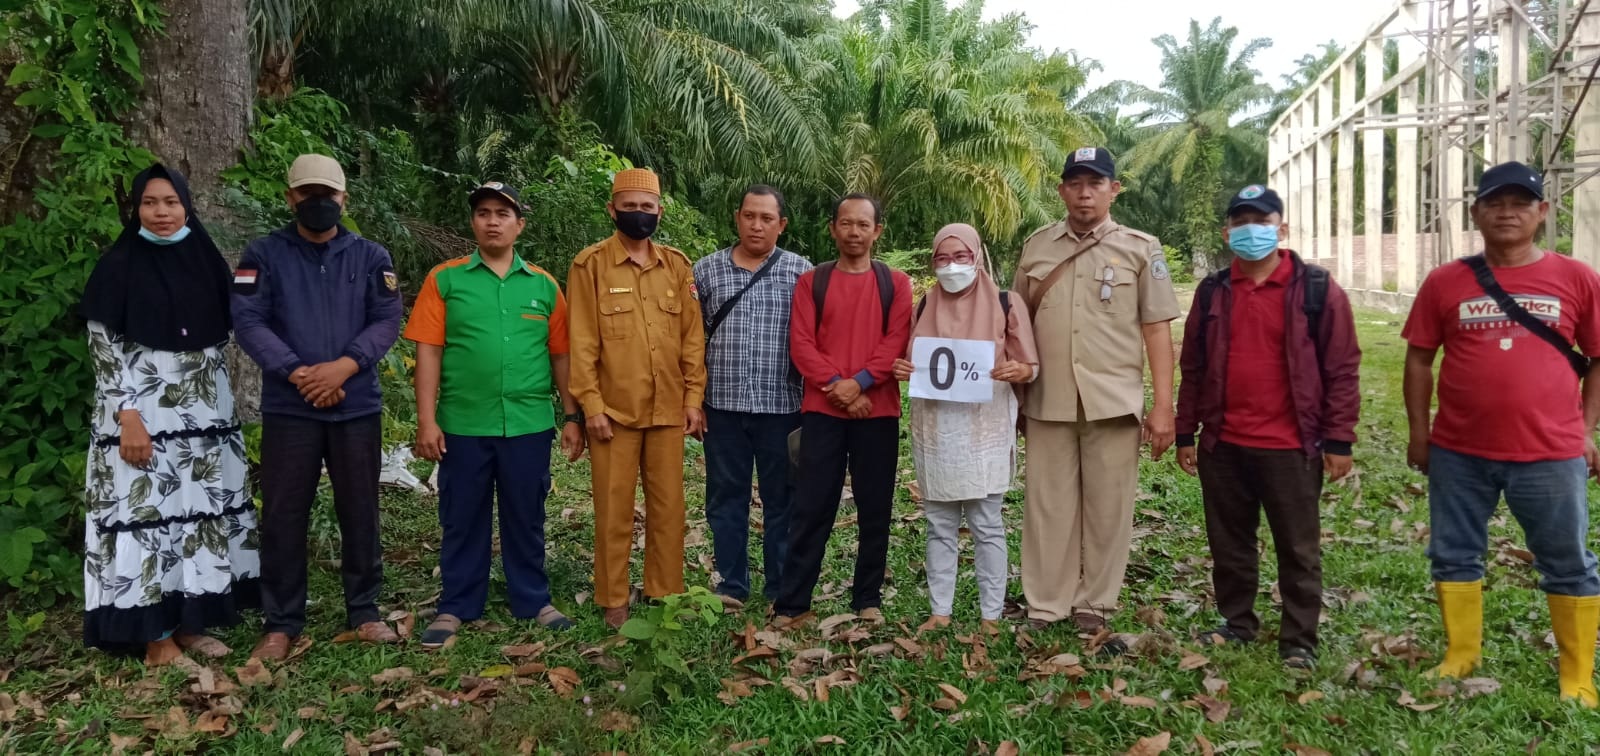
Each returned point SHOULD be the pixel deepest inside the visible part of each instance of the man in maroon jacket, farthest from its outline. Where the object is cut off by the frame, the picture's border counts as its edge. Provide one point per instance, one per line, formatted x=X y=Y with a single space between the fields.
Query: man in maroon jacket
x=1270 y=380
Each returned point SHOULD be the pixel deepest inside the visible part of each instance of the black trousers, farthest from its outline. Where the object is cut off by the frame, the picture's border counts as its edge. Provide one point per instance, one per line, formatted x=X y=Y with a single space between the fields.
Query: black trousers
x=293 y=451
x=1239 y=482
x=870 y=450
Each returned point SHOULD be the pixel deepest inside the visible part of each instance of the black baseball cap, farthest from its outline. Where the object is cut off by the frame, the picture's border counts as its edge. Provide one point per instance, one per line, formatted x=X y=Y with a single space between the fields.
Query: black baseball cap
x=1097 y=159
x=496 y=189
x=1256 y=197
x=1510 y=175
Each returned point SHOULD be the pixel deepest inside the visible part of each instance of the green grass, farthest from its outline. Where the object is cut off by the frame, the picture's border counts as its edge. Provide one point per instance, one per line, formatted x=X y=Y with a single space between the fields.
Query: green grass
x=1375 y=570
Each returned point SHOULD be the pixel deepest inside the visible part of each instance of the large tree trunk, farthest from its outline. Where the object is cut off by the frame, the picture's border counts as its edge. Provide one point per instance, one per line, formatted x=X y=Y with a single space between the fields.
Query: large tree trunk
x=194 y=114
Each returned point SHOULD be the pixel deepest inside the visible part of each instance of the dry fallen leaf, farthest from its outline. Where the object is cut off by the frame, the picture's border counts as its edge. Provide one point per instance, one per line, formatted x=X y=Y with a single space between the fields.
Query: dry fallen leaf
x=1192 y=661
x=953 y=692
x=1007 y=748
x=393 y=675
x=1216 y=711
x=348 y=636
x=404 y=622
x=1311 y=695
x=835 y=621
x=794 y=686
x=1216 y=686
x=755 y=654
x=211 y=722
x=748 y=744
x=1138 y=702
x=830 y=740
x=352 y=746
x=564 y=680
x=1204 y=744
x=294 y=737
x=174 y=724
x=1410 y=702
x=253 y=673
x=1479 y=686
x=522 y=651
x=121 y=743
x=1151 y=746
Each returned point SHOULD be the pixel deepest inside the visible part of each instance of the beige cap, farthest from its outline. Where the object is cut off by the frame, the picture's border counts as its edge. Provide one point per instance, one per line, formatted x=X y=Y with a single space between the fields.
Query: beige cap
x=316 y=169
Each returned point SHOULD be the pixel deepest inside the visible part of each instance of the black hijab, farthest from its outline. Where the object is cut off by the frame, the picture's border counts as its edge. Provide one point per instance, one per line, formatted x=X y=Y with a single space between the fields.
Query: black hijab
x=174 y=297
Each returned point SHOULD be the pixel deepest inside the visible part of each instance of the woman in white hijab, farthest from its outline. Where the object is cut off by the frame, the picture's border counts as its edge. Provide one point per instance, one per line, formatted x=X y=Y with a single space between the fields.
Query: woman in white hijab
x=965 y=453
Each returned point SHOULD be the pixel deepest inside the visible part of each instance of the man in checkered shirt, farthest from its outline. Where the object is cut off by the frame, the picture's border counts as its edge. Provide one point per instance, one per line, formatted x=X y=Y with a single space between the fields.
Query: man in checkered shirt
x=752 y=397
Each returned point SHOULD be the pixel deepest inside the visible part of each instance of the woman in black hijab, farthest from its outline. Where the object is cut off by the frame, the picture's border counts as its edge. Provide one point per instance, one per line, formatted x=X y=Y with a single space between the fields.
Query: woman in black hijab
x=171 y=540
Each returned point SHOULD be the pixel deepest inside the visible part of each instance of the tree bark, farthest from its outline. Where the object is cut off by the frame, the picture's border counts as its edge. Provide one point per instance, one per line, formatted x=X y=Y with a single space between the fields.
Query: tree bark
x=21 y=154
x=194 y=114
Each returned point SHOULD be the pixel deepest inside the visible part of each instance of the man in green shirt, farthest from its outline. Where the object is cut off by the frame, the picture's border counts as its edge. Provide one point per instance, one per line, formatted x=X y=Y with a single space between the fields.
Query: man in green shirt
x=491 y=334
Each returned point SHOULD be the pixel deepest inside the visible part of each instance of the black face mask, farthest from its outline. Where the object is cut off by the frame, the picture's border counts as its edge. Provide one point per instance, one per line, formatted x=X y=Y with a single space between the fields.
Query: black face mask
x=318 y=214
x=637 y=225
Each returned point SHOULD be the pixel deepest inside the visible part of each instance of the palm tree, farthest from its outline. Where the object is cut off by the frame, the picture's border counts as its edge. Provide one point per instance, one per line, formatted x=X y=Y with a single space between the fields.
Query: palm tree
x=1196 y=122
x=944 y=117
x=711 y=68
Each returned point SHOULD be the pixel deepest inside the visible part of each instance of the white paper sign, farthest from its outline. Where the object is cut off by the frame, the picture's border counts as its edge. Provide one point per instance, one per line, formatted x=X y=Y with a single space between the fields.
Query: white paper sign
x=954 y=370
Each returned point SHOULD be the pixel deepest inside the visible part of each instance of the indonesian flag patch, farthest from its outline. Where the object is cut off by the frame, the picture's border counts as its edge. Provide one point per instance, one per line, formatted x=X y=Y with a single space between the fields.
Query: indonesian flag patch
x=244 y=276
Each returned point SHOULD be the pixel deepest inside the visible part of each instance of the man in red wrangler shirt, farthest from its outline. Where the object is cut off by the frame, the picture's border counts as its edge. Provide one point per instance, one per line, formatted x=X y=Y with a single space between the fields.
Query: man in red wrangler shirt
x=1272 y=386
x=1513 y=420
x=850 y=411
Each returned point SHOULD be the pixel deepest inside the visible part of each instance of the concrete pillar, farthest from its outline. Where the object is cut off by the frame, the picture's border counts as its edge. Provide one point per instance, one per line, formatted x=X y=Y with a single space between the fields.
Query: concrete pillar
x=1345 y=211
x=1586 y=197
x=1306 y=175
x=1405 y=193
x=1510 y=141
x=1324 y=160
x=1372 y=171
x=1451 y=242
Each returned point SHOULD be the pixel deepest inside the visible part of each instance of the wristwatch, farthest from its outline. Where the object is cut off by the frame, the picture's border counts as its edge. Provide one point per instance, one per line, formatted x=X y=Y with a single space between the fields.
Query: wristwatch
x=573 y=417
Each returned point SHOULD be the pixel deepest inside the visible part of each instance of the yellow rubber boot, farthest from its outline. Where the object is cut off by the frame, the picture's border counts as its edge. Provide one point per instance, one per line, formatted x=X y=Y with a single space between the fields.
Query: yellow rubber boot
x=1461 y=608
x=1575 y=620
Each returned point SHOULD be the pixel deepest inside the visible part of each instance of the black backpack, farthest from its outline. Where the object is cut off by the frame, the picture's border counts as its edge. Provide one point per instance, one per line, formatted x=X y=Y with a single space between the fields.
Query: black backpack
x=880 y=271
x=1315 y=300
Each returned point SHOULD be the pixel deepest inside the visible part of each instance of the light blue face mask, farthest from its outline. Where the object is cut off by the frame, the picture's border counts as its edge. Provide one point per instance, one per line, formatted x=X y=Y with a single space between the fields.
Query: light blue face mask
x=1253 y=241
x=151 y=236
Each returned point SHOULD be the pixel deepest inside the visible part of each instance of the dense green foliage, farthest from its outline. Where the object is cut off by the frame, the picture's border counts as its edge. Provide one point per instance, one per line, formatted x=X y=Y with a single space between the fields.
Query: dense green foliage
x=944 y=115
x=78 y=70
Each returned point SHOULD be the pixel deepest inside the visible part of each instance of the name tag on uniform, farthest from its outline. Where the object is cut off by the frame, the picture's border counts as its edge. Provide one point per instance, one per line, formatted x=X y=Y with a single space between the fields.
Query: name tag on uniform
x=615 y=290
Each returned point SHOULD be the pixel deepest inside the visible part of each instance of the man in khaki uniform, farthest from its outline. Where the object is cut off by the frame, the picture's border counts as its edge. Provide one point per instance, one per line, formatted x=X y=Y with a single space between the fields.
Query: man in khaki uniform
x=639 y=375
x=1099 y=293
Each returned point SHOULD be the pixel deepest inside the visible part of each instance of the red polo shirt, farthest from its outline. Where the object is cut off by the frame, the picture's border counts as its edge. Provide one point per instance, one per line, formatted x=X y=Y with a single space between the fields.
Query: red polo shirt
x=1504 y=394
x=1259 y=411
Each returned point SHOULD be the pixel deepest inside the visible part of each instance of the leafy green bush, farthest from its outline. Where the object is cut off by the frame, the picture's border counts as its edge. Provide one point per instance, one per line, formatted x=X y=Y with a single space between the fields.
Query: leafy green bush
x=78 y=69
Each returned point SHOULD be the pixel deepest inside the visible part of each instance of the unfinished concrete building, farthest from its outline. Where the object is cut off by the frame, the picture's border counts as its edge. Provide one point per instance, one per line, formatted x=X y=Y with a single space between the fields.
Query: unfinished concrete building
x=1376 y=160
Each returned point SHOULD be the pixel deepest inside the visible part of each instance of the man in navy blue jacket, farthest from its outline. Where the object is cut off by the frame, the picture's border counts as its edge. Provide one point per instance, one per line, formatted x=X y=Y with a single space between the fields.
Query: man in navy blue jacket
x=317 y=306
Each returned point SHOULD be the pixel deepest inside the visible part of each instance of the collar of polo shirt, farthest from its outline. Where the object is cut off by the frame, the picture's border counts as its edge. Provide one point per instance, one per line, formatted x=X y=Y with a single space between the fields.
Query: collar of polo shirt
x=517 y=263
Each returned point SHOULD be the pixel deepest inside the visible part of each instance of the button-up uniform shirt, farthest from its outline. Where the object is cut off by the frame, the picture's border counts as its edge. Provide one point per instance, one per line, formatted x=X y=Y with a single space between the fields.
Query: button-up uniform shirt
x=498 y=335
x=1088 y=325
x=638 y=344
x=747 y=358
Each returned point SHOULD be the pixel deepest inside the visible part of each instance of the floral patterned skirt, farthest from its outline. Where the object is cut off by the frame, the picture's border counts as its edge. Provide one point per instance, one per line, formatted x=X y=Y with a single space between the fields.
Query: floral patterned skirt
x=171 y=546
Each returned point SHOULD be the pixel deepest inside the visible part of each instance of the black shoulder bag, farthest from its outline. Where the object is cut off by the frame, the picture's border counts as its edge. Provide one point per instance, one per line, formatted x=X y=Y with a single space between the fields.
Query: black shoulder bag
x=727 y=307
x=1535 y=326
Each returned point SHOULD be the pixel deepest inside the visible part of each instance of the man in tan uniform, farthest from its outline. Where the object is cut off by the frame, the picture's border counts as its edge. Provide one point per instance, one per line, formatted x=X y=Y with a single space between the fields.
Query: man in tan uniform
x=1099 y=292
x=639 y=374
